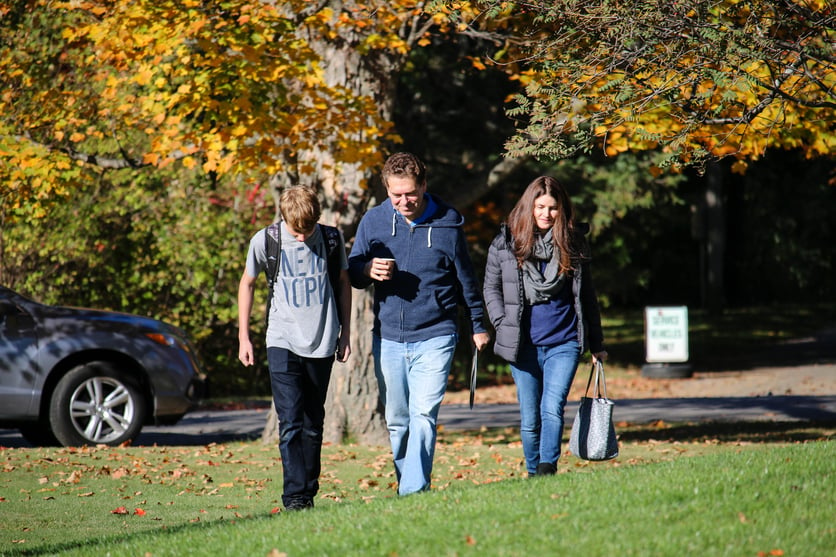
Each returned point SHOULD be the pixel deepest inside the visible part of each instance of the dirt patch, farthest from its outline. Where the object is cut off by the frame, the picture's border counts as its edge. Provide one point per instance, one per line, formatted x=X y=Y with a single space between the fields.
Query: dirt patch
x=816 y=380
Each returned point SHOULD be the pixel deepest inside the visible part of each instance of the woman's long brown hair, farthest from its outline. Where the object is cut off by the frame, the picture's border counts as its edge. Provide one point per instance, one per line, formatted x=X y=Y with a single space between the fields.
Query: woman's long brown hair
x=523 y=228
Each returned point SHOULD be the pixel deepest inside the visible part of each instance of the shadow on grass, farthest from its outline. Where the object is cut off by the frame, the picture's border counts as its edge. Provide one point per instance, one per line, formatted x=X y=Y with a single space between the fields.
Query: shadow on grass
x=99 y=546
x=732 y=432
x=713 y=432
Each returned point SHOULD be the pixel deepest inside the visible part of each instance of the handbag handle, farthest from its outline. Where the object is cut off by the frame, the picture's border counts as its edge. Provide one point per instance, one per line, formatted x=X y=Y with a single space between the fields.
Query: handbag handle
x=600 y=380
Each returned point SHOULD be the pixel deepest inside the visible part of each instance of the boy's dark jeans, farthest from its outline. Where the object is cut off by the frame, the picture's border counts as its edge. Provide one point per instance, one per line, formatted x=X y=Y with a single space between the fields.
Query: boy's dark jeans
x=299 y=387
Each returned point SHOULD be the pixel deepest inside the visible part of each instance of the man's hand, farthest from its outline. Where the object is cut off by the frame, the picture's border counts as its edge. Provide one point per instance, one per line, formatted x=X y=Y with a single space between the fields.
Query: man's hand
x=381 y=268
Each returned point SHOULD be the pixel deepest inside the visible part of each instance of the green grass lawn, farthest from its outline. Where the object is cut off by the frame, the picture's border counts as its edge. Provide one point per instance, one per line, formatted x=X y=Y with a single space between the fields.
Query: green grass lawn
x=748 y=490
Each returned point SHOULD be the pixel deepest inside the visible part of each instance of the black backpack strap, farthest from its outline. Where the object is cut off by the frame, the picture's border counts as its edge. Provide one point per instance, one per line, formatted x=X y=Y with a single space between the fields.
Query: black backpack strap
x=331 y=236
x=273 y=250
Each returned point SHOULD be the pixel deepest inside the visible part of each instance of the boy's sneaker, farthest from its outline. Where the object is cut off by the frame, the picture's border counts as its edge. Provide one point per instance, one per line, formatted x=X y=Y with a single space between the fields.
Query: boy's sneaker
x=299 y=504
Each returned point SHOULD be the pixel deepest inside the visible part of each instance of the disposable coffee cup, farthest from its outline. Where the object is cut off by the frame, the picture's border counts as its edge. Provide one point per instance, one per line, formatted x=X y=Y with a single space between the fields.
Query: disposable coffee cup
x=387 y=259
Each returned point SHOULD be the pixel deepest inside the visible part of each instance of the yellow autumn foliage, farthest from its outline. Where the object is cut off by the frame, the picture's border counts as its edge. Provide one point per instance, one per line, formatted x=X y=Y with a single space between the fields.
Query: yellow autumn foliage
x=233 y=87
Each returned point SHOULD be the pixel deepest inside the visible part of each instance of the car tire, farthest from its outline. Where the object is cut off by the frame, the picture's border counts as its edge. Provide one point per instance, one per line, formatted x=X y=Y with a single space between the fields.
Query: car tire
x=95 y=404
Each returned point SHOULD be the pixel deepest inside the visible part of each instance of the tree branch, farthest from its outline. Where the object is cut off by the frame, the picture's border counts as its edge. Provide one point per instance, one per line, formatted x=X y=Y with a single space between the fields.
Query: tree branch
x=100 y=161
x=472 y=192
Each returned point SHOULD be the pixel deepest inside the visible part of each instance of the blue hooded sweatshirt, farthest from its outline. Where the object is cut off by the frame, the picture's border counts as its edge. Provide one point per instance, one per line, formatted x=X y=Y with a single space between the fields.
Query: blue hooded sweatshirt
x=433 y=272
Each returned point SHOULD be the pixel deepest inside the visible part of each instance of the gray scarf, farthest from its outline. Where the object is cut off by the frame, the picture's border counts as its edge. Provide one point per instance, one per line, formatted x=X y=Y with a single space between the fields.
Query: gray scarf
x=541 y=286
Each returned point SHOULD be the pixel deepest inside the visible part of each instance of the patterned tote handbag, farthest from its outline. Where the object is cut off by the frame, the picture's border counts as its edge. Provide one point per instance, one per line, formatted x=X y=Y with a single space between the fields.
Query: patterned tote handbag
x=593 y=433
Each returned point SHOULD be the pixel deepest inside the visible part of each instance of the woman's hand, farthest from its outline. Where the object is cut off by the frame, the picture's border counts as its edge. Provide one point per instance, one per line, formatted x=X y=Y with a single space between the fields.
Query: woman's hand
x=481 y=340
x=599 y=356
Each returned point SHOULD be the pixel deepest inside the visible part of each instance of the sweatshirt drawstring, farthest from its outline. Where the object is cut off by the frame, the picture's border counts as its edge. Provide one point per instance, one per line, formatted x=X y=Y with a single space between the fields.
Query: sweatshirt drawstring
x=429 y=229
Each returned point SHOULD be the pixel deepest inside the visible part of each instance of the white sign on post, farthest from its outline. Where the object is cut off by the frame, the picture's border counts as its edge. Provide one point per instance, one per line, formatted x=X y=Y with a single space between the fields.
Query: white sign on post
x=666 y=334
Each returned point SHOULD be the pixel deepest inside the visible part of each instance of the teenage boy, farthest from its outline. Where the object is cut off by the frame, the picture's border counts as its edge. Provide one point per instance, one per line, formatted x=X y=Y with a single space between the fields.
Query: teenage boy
x=308 y=324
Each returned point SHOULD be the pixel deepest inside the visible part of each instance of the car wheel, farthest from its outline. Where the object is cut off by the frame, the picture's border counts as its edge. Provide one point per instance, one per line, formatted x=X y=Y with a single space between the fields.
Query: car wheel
x=95 y=404
x=39 y=435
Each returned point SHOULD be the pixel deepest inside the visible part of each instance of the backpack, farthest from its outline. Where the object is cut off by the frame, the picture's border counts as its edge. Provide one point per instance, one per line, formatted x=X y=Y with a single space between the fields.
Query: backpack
x=273 y=247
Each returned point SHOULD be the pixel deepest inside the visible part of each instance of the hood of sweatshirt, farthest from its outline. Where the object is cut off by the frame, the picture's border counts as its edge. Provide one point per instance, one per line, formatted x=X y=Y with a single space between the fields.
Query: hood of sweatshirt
x=443 y=216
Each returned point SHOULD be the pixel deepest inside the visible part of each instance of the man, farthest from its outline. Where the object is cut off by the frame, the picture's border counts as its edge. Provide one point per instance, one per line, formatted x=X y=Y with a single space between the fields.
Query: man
x=308 y=322
x=413 y=249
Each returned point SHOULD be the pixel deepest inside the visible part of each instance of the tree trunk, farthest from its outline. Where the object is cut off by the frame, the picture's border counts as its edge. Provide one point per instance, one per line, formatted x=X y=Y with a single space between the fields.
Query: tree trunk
x=355 y=413
x=715 y=242
x=353 y=409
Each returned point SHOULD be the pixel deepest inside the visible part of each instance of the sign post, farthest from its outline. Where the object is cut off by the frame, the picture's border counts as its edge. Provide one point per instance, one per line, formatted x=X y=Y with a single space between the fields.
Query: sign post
x=666 y=341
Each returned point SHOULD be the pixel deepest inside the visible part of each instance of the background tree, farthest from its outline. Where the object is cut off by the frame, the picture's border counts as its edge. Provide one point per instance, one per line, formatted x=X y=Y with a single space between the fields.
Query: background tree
x=699 y=80
x=213 y=100
x=142 y=143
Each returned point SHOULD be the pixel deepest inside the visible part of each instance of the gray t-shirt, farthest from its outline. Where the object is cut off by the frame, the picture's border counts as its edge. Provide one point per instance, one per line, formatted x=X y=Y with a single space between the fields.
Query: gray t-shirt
x=303 y=314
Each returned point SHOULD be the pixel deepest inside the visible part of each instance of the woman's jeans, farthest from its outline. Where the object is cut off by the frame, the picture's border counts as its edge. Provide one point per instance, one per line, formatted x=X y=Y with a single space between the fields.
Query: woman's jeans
x=412 y=377
x=299 y=387
x=543 y=375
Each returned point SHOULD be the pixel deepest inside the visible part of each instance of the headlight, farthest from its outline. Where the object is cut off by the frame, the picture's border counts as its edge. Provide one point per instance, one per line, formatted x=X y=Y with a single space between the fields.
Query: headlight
x=169 y=340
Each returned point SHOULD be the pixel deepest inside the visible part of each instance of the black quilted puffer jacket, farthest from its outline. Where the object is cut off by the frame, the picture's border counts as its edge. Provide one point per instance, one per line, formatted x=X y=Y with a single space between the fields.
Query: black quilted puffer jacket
x=503 y=293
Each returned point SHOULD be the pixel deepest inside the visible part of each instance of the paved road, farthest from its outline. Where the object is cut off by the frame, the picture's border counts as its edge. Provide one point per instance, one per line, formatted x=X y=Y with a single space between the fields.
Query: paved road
x=221 y=426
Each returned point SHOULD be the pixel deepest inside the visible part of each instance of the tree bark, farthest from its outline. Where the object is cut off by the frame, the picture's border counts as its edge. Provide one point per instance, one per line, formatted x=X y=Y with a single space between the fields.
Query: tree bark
x=715 y=242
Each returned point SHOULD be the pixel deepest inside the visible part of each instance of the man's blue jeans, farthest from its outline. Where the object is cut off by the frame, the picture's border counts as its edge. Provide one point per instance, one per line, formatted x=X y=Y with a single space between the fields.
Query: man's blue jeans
x=412 y=377
x=299 y=386
x=543 y=375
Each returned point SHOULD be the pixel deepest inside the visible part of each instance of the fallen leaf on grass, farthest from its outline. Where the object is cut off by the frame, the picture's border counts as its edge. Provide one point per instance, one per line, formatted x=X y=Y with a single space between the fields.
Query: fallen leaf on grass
x=119 y=473
x=470 y=540
x=139 y=512
x=119 y=510
x=275 y=510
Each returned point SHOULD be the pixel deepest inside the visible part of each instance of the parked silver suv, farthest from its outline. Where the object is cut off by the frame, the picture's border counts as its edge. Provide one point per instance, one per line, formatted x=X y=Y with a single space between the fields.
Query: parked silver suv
x=74 y=376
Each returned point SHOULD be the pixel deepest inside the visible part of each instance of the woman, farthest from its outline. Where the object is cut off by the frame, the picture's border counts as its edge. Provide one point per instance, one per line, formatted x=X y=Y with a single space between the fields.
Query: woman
x=540 y=298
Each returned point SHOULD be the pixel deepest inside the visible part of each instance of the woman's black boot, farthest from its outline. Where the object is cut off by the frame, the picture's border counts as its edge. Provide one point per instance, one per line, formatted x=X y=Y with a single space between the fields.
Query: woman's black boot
x=546 y=469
